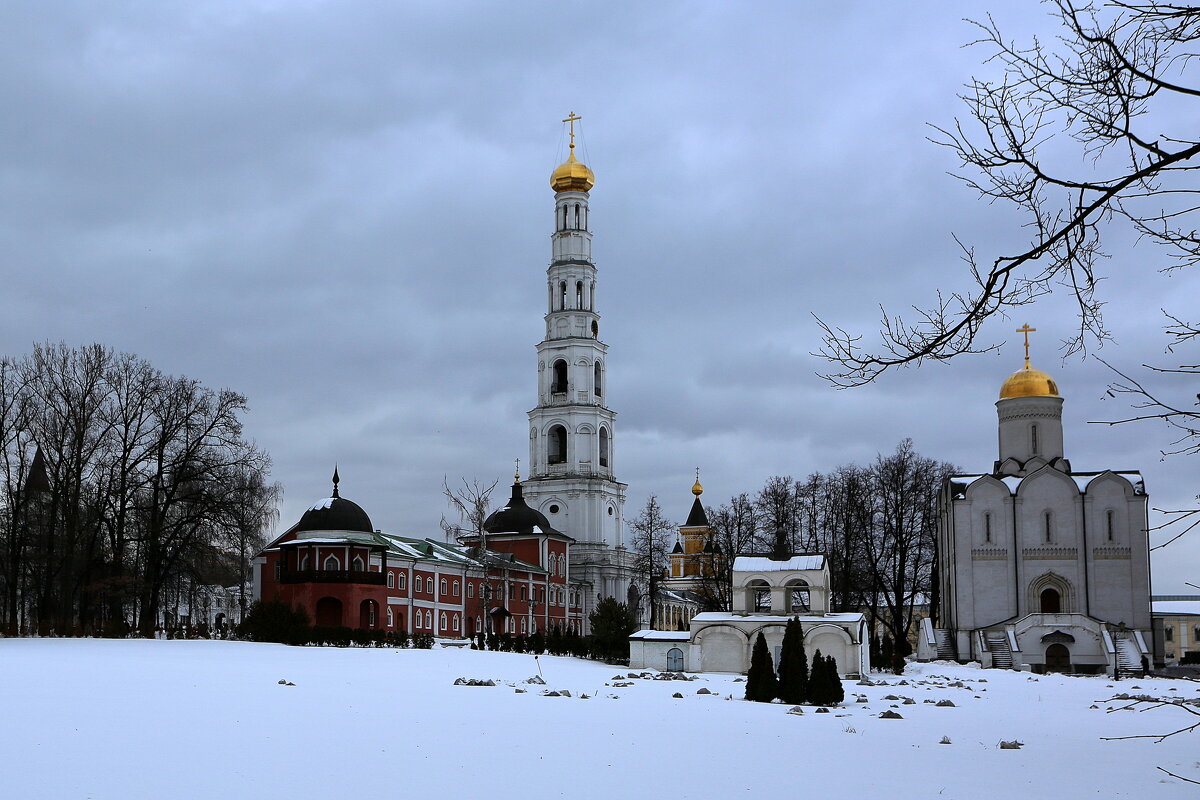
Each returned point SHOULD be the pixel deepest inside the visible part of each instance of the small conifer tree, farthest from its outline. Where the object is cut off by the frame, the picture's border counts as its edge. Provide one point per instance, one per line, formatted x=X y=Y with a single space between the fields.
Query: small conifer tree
x=837 y=693
x=818 y=684
x=793 y=665
x=761 y=685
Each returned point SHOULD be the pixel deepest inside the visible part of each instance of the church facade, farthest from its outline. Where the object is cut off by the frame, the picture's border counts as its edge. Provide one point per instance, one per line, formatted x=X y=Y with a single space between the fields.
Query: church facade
x=1041 y=566
x=572 y=431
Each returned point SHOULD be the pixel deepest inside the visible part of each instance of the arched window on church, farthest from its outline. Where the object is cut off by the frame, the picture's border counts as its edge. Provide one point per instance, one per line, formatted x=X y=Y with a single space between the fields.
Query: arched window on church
x=576 y=216
x=598 y=380
x=556 y=445
x=1049 y=520
x=559 y=384
x=1108 y=521
x=564 y=219
x=604 y=447
x=579 y=294
x=331 y=564
x=357 y=564
x=1033 y=438
x=987 y=528
x=562 y=296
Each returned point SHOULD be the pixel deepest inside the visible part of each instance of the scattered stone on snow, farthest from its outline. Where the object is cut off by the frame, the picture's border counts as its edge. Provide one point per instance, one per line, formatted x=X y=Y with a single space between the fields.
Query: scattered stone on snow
x=890 y=715
x=519 y=690
x=795 y=710
x=891 y=697
x=473 y=682
x=822 y=710
x=536 y=679
x=549 y=693
x=945 y=704
x=945 y=740
x=908 y=701
x=1013 y=745
x=703 y=690
x=677 y=695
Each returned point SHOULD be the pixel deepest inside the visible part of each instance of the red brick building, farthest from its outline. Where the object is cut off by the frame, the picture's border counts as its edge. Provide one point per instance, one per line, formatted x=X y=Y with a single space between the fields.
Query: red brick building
x=342 y=571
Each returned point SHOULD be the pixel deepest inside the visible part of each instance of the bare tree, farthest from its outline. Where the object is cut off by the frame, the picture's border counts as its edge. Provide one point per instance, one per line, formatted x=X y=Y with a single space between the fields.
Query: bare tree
x=1101 y=89
x=471 y=503
x=734 y=528
x=650 y=542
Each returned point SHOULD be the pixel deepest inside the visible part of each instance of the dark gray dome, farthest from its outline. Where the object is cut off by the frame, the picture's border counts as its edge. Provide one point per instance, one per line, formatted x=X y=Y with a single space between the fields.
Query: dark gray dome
x=517 y=517
x=335 y=514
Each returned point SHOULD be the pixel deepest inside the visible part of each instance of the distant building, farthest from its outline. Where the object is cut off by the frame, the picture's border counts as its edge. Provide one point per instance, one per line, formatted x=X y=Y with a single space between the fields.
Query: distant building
x=1042 y=567
x=1177 y=624
x=694 y=572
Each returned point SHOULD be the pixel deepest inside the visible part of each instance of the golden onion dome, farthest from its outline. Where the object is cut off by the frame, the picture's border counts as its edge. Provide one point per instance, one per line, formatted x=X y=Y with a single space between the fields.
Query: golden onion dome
x=697 y=489
x=572 y=176
x=1028 y=382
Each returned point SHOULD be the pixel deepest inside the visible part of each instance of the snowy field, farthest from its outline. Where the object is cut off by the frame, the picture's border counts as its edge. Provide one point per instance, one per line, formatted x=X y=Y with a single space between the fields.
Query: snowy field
x=183 y=719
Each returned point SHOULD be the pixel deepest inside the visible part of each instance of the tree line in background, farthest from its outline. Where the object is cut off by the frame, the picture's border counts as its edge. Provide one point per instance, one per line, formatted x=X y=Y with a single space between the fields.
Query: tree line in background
x=122 y=486
x=876 y=525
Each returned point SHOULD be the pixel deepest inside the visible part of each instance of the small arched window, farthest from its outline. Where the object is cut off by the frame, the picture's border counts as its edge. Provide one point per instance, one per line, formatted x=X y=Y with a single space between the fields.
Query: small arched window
x=562 y=296
x=403 y=581
x=357 y=564
x=443 y=621
x=391 y=619
x=552 y=560
x=604 y=447
x=304 y=562
x=559 y=385
x=556 y=445
x=456 y=622
x=429 y=619
x=597 y=379
x=391 y=583
x=1049 y=520
x=418 y=584
x=577 y=215
x=1033 y=438
x=579 y=294
x=457 y=589
x=442 y=586
x=331 y=563
x=1108 y=520
x=987 y=528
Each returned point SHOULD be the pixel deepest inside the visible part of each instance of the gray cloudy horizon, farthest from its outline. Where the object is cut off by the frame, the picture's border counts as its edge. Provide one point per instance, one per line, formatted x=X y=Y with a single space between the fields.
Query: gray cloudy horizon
x=342 y=211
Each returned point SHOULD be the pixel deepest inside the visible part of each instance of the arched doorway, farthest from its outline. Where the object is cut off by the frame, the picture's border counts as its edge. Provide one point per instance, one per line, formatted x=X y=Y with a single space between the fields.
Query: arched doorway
x=675 y=660
x=368 y=614
x=1058 y=658
x=329 y=611
x=1051 y=601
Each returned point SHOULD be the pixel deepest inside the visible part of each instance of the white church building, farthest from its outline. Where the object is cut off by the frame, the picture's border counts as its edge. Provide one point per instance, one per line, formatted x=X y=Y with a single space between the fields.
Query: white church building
x=1041 y=567
x=766 y=594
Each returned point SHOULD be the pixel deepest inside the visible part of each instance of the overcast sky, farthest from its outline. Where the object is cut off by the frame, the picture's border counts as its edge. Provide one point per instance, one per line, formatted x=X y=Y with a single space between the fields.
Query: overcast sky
x=342 y=210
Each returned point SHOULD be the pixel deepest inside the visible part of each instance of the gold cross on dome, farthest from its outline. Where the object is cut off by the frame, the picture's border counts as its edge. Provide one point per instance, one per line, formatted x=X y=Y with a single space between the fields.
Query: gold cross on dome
x=517 y=474
x=1025 y=329
x=572 y=118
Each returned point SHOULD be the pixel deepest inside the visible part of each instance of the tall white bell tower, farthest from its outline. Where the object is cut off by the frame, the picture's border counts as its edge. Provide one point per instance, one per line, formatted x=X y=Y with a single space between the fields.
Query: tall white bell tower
x=572 y=441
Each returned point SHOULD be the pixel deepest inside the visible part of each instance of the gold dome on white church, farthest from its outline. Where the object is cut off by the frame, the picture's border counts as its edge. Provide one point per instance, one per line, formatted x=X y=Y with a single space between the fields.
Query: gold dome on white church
x=572 y=175
x=1027 y=381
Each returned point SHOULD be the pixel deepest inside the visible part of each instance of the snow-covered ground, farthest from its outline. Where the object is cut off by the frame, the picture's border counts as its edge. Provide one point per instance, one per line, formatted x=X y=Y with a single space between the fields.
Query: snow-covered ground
x=159 y=719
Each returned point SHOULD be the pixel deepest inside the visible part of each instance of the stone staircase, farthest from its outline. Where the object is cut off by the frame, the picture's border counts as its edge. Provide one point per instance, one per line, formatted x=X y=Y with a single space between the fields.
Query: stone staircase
x=997 y=642
x=1129 y=657
x=946 y=651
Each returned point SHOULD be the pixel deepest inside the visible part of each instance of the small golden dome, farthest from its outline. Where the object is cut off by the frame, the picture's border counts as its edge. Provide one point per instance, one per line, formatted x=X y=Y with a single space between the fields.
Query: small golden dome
x=697 y=489
x=572 y=176
x=1028 y=382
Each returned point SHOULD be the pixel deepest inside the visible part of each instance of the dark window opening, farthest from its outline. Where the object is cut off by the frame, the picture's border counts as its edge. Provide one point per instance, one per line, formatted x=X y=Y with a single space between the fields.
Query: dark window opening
x=557 y=445
x=559 y=386
x=597 y=383
x=604 y=447
x=579 y=294
x=1051 y=601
